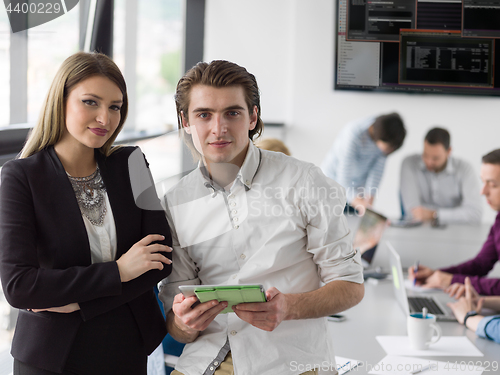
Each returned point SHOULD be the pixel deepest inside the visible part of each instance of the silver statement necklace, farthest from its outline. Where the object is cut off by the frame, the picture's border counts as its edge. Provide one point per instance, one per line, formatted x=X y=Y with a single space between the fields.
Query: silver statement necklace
x=89 y=193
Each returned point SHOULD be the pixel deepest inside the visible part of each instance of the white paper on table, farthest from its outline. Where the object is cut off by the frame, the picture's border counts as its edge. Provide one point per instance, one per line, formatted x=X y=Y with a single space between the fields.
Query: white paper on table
x=345 y=364
x=420 y=289
x=459 y=346
x=395 y=365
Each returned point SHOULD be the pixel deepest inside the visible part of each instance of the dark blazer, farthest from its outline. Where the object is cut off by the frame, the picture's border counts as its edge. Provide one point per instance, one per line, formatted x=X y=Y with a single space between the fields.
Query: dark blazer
x=45 y=255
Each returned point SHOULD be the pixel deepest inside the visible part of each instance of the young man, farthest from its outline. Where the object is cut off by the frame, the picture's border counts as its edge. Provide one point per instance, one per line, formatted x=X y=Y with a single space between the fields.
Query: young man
x=437 y=186
x=357 y=158
x=484 y=262
x=250 y=216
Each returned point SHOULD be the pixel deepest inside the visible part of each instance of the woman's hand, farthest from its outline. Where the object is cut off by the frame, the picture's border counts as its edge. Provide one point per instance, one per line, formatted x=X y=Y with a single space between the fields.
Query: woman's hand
x=142 y=257
x=62 y=309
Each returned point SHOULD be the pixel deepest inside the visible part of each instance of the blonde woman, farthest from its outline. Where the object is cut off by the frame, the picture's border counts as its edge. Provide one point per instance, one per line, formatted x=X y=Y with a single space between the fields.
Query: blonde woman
x=273 y=144
x=78 y=257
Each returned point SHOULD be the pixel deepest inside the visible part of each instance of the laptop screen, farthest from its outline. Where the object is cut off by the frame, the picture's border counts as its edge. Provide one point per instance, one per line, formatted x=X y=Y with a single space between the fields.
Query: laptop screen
x=369 y=233
x=398 y=279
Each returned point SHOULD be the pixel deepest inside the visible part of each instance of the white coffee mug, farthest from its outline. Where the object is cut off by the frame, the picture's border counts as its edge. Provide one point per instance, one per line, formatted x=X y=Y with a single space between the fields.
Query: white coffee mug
x=420 y=331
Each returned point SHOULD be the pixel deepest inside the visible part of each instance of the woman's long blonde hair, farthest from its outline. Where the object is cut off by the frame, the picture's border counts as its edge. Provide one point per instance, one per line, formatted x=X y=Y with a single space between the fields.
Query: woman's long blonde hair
x=52 y=121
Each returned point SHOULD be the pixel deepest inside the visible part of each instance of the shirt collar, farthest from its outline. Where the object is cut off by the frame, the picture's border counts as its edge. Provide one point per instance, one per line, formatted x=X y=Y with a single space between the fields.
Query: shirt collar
x=250 y=166
x=449 y=166
x=246 y=173
x=449 y=169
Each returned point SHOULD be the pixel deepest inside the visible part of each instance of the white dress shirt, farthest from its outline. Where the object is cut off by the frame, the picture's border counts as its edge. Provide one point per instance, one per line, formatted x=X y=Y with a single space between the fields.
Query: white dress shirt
x=280 y=224
x=102 y=239
x=454 y=192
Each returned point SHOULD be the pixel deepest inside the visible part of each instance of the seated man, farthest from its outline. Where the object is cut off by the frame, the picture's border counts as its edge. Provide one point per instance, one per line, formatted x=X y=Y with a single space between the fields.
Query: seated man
x=437 y=186
x=357 y=158
x=251 y=216
x=484 y=262
x=467 y=310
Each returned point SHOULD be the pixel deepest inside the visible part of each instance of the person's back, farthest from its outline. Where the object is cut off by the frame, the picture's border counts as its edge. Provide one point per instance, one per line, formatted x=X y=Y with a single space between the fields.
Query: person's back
x=354 y=133
x=358 y=155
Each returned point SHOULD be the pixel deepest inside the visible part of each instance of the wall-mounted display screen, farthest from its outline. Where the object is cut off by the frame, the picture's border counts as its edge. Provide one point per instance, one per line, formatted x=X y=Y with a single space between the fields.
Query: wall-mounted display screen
x=427 y=46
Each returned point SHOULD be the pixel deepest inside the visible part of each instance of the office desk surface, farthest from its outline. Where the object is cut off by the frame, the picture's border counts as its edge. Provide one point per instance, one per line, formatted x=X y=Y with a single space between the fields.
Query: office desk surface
x=380 y=315
x=437 y=247
x=433 y=247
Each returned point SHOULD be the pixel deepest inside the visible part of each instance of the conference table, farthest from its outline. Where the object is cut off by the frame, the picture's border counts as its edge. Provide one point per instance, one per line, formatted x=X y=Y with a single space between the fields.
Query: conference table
x=433 y=247
x=378 y=314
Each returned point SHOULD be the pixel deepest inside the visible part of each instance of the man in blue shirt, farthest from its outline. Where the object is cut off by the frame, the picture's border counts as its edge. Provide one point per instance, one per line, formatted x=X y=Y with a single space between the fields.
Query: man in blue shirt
x=357 y=158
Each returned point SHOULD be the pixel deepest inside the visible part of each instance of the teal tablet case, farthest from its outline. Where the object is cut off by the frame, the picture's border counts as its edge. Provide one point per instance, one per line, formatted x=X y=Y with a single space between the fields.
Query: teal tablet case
x=232 y=294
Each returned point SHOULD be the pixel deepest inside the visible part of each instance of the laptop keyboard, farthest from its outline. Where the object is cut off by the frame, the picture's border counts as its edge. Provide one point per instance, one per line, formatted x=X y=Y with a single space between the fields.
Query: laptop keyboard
x=418 y=303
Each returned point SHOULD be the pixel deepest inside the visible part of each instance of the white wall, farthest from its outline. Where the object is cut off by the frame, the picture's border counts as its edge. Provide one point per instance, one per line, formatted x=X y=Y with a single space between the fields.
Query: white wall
x=289 y=46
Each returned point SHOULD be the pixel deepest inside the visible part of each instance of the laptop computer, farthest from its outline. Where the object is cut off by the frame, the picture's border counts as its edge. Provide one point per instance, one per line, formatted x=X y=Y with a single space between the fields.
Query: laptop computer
x=412 y=301
x=368 y=235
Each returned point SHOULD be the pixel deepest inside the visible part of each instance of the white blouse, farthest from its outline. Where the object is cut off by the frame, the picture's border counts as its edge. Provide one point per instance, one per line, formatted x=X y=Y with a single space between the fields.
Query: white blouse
x=102 y=239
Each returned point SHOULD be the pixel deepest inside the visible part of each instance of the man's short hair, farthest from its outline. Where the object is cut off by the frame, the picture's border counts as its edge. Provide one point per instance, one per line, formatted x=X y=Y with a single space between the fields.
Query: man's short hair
x=438 y=136
x=389 y=129
x=218 y=73
x=492 y=157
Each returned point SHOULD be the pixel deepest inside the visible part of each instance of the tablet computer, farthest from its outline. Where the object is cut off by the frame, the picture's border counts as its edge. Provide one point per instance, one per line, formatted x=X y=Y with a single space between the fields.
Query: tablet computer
x=233 y=294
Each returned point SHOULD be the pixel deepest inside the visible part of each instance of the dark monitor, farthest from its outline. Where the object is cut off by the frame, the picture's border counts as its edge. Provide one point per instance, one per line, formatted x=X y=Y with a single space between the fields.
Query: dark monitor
x=444 y=58
x=369 y=58
x=379 y=20
x=439 y=15
x=481 y=18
